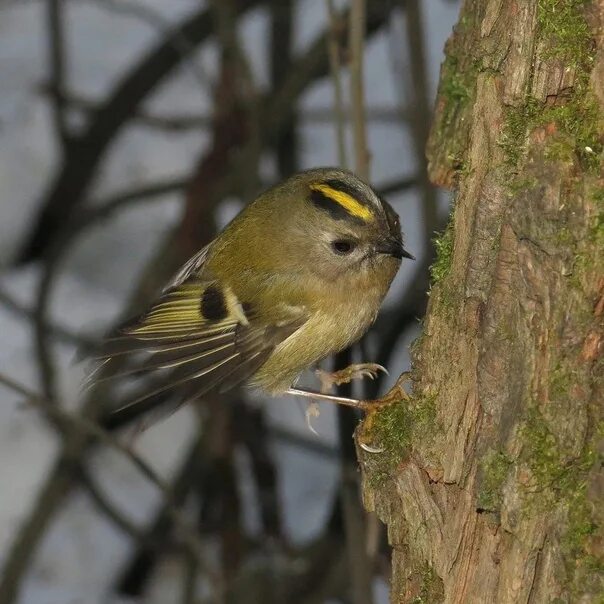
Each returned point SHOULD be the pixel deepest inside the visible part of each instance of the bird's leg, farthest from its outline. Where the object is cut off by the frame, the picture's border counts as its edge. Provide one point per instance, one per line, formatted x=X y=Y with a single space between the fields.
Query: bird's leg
x=396 y=393
x=319 y=396
x=329 y=379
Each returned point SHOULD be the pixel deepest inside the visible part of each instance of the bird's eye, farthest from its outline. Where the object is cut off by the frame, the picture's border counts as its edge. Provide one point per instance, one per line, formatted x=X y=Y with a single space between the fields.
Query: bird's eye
x=342 y=246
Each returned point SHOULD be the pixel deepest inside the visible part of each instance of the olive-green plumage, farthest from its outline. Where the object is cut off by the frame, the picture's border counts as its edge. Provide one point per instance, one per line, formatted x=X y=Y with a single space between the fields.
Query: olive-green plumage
x=298 y=275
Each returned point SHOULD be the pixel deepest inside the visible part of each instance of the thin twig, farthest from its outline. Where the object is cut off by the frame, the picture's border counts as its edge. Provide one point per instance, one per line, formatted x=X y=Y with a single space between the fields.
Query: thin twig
x=334 y=66
x=107 y=508
x=133 y=575
x=56 y=331
x=182 y=45
x=57 y=69
x=421 y=111
x=355 y=517
x=104 y=208
x=282 y=27
x=356 y=38
x=178 y=123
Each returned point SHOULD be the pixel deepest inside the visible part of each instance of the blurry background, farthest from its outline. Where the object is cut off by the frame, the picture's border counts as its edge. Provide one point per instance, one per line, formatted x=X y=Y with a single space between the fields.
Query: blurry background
x=130 y=132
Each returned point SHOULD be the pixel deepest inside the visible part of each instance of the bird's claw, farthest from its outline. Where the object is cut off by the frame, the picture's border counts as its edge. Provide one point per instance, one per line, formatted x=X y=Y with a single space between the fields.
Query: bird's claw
x=346 y=375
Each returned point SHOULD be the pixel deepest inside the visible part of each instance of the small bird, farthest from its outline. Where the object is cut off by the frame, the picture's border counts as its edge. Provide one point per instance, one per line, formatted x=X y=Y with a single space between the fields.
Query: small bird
x=298 y=275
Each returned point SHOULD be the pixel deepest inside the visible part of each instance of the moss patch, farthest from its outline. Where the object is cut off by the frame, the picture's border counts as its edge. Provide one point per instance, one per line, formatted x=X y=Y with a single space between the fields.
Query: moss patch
x=443 y=245
x=456 y=87
x=431 y=587
x=495 y=467
x=572 y=122
x=394 y=430
x=563 y=27
x=572 y=129
x=560 y=480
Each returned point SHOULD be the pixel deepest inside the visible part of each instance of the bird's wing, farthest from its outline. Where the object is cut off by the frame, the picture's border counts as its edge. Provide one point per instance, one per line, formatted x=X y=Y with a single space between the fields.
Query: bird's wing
x=198 y=337
x=193 y=266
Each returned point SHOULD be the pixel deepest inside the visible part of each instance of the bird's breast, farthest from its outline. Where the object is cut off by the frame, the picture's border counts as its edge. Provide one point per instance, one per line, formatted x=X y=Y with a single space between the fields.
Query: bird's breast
x=328 y=330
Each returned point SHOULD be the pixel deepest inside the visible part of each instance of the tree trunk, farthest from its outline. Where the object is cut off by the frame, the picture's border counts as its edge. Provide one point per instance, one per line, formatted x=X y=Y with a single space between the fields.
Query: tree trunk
x=489 y=476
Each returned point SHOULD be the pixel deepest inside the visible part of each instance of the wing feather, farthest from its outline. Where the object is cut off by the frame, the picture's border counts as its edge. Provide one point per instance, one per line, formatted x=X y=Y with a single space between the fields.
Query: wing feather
x=177 y=353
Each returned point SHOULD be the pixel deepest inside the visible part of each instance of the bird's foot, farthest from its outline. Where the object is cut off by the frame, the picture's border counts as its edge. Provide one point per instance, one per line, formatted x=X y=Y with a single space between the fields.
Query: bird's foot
x=329 y=379
x=395 y=395
x=369 y=406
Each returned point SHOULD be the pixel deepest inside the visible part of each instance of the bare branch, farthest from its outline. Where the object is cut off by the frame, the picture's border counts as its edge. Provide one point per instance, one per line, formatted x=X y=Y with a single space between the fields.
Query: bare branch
x=57 y=69
x=355 y=517
x=422 y=114
x=56 y=331
x=357 y=44
x=181 y=43
x=107 y=508
x=184 y=122
x=334 y=50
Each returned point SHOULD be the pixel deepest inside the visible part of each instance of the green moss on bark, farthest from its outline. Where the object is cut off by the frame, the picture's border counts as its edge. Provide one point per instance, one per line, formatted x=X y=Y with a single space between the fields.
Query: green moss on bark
x=394 y=430
x=562 y=26
x=494 y=470
x=573 y=122
x=557 y=478
x=431 y=587
x=573 y=130
x=443 y=245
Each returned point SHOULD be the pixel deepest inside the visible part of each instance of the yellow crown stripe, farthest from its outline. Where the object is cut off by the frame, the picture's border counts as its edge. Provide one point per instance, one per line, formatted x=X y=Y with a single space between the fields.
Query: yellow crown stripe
x=349 y=203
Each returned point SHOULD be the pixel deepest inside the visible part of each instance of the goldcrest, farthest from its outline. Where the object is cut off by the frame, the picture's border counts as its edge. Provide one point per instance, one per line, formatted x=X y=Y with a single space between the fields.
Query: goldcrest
x=298 y=275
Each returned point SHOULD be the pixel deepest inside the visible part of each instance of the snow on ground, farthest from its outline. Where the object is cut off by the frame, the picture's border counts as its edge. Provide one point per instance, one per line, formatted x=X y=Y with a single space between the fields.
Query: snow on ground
x=82 y=551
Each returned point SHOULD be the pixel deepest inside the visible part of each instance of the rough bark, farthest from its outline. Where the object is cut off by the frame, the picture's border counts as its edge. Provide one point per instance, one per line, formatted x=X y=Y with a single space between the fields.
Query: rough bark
x=490 y=476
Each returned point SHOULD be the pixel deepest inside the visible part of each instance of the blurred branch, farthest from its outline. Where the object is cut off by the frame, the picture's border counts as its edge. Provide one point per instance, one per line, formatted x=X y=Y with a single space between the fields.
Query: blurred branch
x=166 y=30
x=76 y=423
x=356 y=42
x=220 y=509
x=281 y=26
x=189 y=587
x=311 y=445
x=107 y=508
x=178 y=123
x=254 y=434
x=421 y=109
x=57 y=70
x=238 y=89
x=103 y=209
x=135 y=573
x=335 y=35
x=87 y=150
x=398 y=185
x=60 y=333
x=42 y=345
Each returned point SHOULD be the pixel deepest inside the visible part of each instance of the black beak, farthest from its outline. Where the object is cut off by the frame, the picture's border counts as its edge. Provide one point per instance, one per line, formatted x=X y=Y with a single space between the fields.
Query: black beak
x=394 y=247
